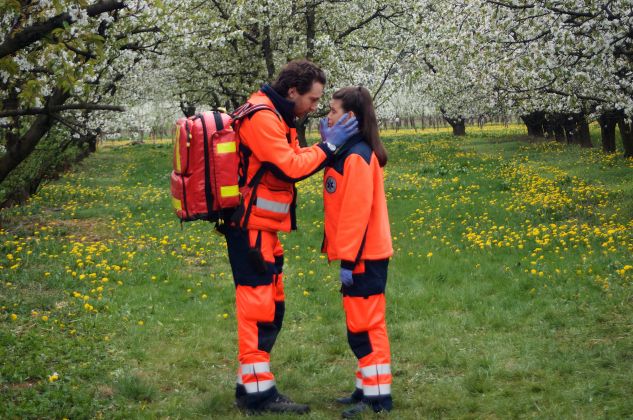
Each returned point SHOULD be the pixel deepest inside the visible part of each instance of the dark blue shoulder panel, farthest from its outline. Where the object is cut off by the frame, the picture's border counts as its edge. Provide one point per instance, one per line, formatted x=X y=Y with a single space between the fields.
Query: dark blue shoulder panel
x=361 y=149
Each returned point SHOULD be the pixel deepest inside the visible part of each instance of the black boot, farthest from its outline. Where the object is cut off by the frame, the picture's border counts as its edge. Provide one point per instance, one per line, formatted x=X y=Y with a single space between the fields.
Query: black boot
x=377 y=406
x=355 y=398
x=240 y=396
x=281 y=404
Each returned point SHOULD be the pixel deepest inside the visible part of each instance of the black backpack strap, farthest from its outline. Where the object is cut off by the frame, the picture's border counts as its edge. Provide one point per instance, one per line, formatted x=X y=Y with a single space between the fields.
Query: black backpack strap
x=240 y=113
x=207 y=169
x=293 y=209
x=253 y=184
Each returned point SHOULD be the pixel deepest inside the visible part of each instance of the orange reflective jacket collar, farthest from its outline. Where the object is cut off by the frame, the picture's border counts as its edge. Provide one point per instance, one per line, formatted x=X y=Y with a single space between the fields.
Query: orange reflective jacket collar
x=285 y=107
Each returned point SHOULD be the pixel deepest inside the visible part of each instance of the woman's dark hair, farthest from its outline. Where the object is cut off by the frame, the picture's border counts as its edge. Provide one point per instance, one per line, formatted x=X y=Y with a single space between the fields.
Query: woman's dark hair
x=358 y=100
x=300 y=74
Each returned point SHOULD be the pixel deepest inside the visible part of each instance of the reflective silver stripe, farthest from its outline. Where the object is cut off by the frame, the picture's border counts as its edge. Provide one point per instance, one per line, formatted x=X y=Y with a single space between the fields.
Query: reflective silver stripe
x=376 y=390
x=251 y=368
x=374 y=370
x=259 y=386
x=274 y=206
x=359 y=383
x=239 y=376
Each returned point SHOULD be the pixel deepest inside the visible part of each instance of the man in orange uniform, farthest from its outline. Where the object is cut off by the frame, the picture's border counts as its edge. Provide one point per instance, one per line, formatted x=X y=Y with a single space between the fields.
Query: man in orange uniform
x=271 y=162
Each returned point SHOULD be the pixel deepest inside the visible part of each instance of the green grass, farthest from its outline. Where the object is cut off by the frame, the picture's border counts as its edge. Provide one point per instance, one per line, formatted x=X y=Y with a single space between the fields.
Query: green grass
x=508 y=296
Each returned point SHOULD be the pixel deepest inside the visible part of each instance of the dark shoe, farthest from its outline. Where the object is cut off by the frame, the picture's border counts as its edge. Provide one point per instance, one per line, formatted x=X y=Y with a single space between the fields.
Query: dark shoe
x=356 y=410
x=365 y=406
x=355 y=398
x=347 y=400
x=240 y=402
x=282 y=404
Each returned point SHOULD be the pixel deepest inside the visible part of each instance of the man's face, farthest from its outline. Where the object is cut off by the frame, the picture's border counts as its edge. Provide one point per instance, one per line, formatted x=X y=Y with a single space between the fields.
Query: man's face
x=308 y=101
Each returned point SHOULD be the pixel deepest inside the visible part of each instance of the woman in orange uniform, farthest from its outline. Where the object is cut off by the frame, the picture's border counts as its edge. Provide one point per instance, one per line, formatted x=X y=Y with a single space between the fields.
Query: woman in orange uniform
x=357 y=233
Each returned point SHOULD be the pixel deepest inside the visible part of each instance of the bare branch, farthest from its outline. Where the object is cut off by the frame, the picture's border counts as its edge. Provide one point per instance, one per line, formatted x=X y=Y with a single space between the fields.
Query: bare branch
x=360 y=24
x=52 y=109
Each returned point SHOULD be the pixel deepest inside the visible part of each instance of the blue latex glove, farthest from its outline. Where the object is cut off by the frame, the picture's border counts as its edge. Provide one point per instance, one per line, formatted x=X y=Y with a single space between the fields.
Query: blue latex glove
x=346 y=277
x=340 y=132
x=322 y=128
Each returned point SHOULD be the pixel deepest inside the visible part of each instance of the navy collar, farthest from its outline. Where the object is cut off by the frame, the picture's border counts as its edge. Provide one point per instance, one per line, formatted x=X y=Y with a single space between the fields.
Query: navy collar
x=353 y=141
x=284 y=106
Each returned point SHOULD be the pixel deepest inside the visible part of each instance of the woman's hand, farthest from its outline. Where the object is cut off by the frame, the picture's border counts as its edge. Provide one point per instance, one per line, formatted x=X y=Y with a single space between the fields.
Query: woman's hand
x=346 y=277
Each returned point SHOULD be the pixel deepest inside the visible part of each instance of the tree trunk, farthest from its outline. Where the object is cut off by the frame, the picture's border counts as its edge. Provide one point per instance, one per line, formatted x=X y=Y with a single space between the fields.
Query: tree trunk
x=548 y=126
x=458 y=124
x=302 y=124
x=310 y=30
x=626 y=131
x=608 y=122
x=569 y=125
x=26 y=188
x=559 y=131
x=21 y=149
x=267 y=51
x=577 y=129
x=583 y=130
x=534 y=122
x=187 y=108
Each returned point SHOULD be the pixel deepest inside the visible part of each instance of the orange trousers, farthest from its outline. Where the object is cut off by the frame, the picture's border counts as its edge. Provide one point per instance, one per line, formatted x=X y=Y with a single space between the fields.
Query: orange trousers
x=364 y=304
x=257 y=263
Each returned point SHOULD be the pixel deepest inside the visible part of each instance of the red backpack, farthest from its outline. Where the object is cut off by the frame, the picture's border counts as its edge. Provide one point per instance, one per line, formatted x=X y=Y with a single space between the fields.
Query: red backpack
x=205 y=181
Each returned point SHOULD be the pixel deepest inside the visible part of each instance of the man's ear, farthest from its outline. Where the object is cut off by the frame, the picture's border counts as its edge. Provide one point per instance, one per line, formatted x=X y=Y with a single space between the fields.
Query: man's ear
x=292 y=93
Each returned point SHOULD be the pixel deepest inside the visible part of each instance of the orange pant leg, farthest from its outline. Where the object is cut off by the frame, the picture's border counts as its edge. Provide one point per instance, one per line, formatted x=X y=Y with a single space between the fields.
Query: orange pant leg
x=259 y=303
x=367 y=330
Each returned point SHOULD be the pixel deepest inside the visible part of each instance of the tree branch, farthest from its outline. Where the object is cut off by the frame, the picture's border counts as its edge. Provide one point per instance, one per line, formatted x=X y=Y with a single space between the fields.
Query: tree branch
x=58 y=108
x=360 y=24
x=38 y=31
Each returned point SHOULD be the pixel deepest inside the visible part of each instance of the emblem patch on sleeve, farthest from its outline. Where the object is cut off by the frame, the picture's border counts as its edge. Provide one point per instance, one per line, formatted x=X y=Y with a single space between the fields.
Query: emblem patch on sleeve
x=330 y=184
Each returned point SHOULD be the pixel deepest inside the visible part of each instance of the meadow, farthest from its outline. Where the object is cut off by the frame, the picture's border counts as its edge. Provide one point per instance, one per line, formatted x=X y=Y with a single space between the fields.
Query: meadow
x=509 y=294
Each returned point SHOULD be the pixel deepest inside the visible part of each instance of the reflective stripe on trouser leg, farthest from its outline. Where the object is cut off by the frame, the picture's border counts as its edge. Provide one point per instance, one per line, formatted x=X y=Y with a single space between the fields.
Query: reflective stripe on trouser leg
x=259 y=310
x=359 y=379
x=256 y=377
x=376 y=380
x=367 y=335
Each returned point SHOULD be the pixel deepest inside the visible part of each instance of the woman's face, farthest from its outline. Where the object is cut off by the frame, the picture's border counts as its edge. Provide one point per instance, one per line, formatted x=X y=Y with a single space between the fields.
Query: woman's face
x=336 y=112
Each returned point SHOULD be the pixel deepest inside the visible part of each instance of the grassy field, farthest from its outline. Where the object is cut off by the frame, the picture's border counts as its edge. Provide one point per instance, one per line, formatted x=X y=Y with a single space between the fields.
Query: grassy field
x=510 y=293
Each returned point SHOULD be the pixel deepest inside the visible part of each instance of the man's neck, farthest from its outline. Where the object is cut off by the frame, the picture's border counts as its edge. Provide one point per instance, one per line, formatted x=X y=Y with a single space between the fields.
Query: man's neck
x=284 y=106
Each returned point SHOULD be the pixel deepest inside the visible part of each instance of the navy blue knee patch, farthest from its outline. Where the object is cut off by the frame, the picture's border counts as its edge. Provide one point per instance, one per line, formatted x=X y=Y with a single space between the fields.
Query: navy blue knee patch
x=359 y=343
x=245 y=272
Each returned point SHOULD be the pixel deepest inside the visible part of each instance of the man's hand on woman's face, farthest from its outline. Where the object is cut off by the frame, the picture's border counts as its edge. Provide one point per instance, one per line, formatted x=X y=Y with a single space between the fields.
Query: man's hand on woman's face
x=340 y=132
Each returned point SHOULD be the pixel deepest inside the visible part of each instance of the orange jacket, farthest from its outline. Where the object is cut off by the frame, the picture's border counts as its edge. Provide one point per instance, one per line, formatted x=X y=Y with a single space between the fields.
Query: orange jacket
x=272 y=140
x=356 y=218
